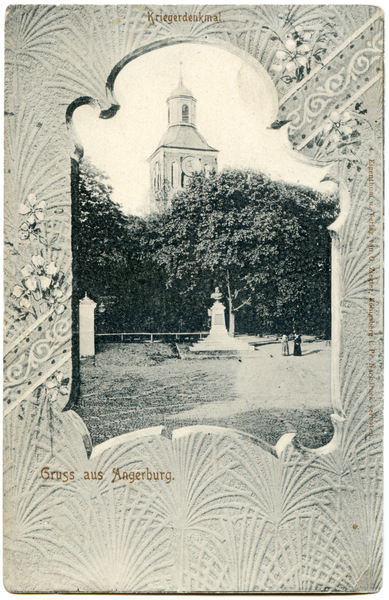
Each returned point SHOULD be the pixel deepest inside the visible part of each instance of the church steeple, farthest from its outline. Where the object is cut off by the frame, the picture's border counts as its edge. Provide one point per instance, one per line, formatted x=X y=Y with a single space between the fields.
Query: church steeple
x=182 y=152
x=181 y=105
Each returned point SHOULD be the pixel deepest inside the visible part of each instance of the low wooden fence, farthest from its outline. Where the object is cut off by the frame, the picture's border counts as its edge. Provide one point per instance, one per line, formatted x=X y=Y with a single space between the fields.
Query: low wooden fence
x=153 y=337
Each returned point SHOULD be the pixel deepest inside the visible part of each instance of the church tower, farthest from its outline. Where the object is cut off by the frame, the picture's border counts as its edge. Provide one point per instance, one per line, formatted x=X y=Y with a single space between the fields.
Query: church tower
x=182 y=152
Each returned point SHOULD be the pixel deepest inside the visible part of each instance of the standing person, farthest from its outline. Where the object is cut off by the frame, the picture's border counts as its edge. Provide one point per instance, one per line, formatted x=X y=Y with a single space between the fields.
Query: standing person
x=297 y=346
x=284 y=345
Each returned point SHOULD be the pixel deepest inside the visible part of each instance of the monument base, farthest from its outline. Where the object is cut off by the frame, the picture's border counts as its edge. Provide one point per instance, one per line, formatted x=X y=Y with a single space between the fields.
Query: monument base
x=218 y=339
x=215 y=342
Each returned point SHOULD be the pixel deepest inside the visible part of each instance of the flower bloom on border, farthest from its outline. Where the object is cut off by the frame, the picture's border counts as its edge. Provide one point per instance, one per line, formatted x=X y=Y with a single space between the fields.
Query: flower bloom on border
x=55 y=300
x=52 y=269
x=295 y=55
x=58 y=382
x=340 y=134
x=339 y=124
x=32 y=209
x=22 y=294
x=42 y=282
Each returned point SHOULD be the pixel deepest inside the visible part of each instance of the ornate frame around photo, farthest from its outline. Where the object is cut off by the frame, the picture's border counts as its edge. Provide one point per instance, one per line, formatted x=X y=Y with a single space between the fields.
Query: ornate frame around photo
x=330 y=496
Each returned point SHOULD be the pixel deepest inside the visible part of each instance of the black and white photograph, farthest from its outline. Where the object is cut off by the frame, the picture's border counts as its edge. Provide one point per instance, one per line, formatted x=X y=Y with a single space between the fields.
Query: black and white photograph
x=193 y=299
x=206 y=267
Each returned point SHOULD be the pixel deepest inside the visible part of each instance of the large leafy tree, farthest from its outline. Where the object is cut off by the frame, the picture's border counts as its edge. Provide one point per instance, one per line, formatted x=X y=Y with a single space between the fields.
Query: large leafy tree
x=112 y=262
x=106 y=251
x=102 y=233
x=264 y=243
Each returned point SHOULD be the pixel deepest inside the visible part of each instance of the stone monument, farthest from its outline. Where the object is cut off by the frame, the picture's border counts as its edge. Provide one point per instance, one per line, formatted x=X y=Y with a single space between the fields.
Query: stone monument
x=218 y=321
x=218 y=338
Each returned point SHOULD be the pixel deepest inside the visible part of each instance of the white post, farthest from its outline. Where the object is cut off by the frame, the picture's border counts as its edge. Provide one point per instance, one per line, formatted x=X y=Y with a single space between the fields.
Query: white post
x=87 y=326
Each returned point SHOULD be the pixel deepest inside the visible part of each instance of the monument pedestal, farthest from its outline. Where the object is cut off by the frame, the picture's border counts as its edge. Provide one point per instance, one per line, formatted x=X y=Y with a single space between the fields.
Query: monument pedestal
x=218 y=339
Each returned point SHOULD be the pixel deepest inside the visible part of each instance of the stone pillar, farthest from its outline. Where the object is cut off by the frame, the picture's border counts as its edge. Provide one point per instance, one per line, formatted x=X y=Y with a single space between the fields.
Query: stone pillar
x=87 y=326
x=218 y=322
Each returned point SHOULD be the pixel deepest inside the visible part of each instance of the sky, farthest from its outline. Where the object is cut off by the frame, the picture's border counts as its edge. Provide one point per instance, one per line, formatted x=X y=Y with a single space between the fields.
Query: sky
x=236 y=104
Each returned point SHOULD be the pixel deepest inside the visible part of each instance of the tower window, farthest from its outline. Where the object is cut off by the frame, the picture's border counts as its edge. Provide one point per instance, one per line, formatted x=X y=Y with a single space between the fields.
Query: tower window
x=185 y=113
x=157 y=177
x=174 y=175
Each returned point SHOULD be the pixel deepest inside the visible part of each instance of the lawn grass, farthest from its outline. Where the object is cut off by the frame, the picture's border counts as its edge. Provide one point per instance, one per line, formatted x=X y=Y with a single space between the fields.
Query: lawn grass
x=131 y=386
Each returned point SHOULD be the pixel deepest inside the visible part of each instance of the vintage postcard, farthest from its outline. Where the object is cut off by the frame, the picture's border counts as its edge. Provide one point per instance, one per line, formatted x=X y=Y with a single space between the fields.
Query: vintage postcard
x=193 y=336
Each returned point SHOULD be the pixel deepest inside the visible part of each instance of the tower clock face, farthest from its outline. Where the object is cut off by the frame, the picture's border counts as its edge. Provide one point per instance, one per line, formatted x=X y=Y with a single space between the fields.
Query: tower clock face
x=191 y=165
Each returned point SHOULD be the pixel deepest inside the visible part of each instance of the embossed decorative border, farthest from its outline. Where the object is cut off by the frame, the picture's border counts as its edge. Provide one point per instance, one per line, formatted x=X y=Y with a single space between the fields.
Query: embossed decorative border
x=239 y=516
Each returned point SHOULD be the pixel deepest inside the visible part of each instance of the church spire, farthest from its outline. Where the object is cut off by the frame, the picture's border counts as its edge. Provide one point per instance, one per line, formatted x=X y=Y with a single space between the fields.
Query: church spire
x=180 y=81
x=181 y=105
